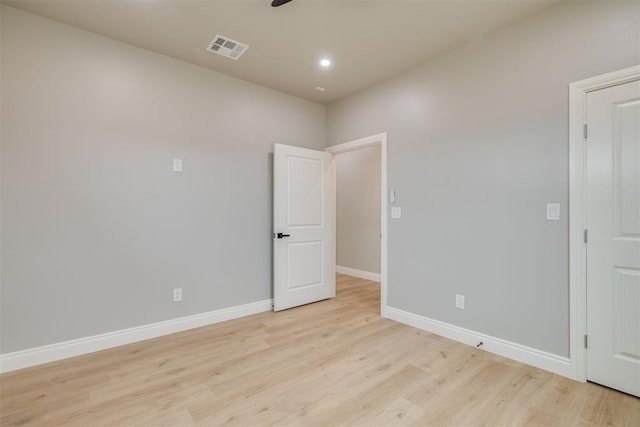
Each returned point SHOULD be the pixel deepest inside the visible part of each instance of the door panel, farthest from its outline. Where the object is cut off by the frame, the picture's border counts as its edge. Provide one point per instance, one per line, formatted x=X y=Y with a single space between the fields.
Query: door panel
x=613 y=249
x=304 y=201
x=305 y=264
x=627 y=168
x=304 y=261
x=626 y=291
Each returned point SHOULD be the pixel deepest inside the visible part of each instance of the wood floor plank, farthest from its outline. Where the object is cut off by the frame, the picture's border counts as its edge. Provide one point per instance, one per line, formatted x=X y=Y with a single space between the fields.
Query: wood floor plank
x=335 y=362
x=372 y=400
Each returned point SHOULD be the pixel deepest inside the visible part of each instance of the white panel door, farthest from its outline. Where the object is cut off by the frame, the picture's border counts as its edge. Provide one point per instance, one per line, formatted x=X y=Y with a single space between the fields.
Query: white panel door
x=613 y=248
x=303 y=217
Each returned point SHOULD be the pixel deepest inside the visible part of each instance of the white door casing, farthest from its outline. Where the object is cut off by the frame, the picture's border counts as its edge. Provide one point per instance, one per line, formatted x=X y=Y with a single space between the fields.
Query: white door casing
x=613 y=244
x=303 y=226
x=578 y=210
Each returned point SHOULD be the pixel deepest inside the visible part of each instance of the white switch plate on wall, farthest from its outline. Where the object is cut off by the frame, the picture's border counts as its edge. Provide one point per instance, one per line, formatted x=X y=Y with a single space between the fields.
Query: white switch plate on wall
x=460 y=302
x=396 y=212
x=553 y=211
x=177 y=165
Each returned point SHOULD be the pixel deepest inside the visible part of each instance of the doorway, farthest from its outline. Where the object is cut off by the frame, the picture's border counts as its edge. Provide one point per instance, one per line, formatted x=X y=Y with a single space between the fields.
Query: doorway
x=357 y=241
x=605 y=229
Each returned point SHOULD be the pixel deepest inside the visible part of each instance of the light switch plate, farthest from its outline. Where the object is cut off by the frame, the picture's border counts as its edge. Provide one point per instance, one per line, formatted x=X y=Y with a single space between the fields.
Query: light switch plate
x=177 y=165
x=553 y=211
x=396 y=212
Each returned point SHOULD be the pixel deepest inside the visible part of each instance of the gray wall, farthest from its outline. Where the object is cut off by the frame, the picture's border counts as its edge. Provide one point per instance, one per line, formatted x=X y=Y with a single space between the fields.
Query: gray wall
x=358 y=209
x=96 y=228
x=477 y=144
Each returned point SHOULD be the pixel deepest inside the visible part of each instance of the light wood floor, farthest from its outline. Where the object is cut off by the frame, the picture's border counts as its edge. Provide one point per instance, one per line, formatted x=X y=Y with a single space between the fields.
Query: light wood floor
x=335 y=362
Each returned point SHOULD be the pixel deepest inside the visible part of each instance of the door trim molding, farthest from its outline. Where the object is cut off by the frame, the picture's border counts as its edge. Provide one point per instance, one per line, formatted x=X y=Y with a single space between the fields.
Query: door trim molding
x=578 y=210
x=379 y=139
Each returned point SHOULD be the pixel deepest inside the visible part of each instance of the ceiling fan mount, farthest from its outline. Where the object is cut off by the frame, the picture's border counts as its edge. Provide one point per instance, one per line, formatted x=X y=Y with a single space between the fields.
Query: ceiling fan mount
x=276 y=3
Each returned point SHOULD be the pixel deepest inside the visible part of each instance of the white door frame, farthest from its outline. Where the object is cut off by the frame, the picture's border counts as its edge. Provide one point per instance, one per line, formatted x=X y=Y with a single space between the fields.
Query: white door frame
x=372 y=141
x=578 y=210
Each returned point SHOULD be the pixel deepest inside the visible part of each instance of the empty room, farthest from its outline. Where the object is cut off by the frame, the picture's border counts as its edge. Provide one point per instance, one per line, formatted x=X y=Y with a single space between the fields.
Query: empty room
x=319 y=212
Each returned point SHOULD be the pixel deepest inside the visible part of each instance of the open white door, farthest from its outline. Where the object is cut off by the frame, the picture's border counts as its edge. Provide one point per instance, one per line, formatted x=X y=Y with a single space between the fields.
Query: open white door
x=613 y=244
x=303 y=231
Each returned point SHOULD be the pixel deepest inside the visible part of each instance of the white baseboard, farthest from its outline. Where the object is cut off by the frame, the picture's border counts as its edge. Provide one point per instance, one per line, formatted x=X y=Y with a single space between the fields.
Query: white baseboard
x=367 y=275
x=50 y=353
x=530 y=356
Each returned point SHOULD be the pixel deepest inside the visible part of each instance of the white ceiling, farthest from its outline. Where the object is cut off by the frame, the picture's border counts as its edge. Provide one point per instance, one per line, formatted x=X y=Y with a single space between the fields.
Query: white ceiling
x=367 y=40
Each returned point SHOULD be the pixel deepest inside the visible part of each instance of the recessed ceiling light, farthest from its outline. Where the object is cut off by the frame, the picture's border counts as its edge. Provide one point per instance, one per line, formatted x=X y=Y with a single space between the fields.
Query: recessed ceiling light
x=325 y=62
x=320 y=88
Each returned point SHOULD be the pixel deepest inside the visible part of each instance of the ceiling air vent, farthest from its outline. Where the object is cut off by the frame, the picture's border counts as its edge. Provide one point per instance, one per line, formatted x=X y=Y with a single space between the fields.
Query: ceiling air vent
x=226 y=47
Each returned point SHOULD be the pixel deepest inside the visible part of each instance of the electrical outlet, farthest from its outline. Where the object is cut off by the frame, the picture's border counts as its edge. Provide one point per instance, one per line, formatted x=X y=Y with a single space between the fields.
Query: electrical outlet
x=460 y=302
x=177 y=294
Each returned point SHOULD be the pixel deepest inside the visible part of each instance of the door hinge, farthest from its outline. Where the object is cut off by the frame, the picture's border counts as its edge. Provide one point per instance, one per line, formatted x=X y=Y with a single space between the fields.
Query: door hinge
x=584 y=130
x=585 y=236
x=585 y=341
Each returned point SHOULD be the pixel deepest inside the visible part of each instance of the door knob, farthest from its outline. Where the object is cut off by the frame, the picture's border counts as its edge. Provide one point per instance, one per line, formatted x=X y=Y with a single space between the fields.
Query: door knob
x=280 y=235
